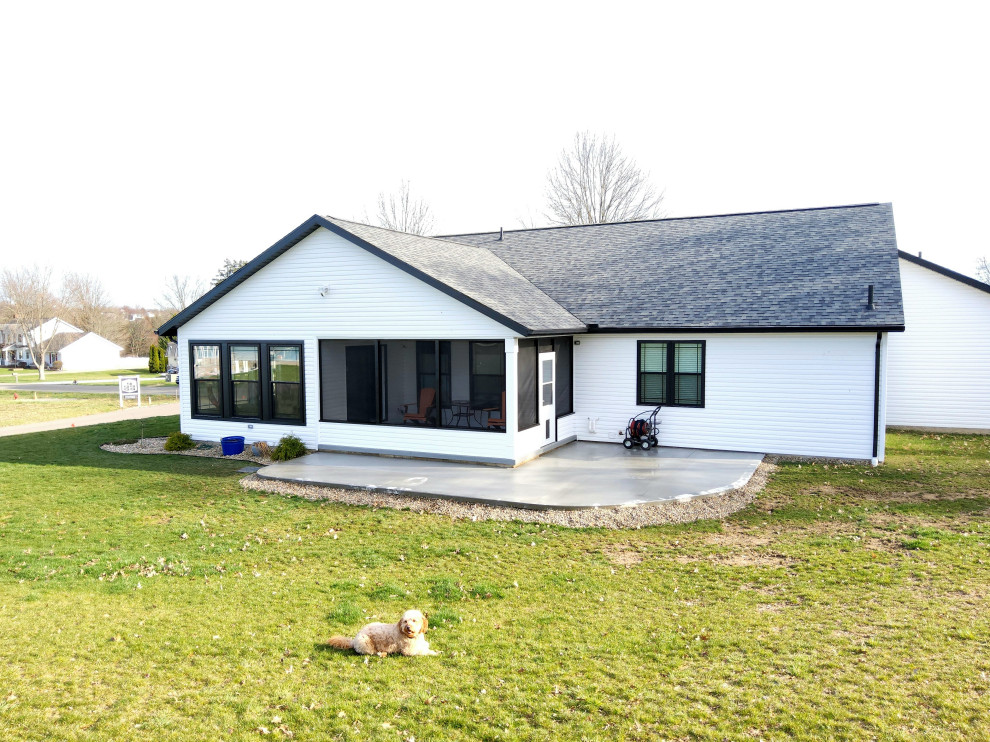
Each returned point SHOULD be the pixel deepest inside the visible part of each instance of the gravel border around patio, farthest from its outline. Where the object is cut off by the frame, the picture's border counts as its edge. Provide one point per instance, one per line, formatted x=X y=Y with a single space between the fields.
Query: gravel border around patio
x=708 y=507
x=715 y=507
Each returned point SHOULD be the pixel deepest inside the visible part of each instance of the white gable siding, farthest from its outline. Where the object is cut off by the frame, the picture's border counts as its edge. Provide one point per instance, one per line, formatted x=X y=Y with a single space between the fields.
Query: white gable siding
x=805 y=394
x=368 y=298
x=91 y=352
x=939 y=368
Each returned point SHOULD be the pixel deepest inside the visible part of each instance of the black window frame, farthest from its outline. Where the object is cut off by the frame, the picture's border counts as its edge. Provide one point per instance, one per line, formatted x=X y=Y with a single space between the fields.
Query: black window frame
x=233 y=381
x=193 y=395
x=670 y=385
x=226 y=383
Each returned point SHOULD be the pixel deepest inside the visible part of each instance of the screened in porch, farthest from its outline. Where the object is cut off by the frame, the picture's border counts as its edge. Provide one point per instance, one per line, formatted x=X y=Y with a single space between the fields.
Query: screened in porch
x=456 y=384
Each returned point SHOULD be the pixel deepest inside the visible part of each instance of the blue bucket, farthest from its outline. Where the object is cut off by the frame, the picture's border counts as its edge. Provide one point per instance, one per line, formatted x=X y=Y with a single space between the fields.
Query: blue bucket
x=232 y=445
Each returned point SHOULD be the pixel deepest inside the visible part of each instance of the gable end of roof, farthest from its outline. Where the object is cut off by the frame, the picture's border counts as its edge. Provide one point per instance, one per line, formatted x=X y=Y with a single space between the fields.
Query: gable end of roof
x=961 y=277
x=316 y=221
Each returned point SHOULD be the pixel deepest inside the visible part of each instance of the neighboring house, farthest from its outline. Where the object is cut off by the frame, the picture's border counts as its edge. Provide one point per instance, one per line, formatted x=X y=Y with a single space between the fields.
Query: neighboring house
x=10 y=338
x=939 y=369
x=76 y=349
x=18 y=350
x=754 y=331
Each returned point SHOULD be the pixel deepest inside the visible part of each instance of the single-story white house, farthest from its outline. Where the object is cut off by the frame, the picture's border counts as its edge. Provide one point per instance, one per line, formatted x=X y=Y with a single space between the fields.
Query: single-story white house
x=939 y=368
x=754 y=332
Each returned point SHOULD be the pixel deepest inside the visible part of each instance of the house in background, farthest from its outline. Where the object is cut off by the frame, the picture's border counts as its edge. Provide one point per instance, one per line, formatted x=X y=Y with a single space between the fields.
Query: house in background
x=76 y=349
x=939 y=369
x=18 y=351
x=755 y=332
x=86 y=352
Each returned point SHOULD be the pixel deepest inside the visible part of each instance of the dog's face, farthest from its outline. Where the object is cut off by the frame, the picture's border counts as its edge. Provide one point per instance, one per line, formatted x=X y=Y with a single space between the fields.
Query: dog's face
x=412 y=624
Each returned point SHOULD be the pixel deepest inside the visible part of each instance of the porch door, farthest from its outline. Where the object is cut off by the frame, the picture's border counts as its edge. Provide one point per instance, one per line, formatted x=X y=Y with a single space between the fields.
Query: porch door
x=360 y=380
x=548 y=419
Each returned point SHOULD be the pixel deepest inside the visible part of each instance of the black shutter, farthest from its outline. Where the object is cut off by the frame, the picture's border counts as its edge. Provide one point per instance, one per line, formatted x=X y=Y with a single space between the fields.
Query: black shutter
x=529 y=414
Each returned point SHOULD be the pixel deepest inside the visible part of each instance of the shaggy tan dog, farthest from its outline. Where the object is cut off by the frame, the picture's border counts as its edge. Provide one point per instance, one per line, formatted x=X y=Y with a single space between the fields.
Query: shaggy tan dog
x=405 y=637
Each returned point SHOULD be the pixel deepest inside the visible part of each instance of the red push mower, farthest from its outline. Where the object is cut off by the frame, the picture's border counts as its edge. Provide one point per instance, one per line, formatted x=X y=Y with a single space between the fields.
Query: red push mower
x=643 y=430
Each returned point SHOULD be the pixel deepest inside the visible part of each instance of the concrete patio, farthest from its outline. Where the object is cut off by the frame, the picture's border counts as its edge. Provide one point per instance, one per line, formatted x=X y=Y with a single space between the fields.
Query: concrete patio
x=574 y=476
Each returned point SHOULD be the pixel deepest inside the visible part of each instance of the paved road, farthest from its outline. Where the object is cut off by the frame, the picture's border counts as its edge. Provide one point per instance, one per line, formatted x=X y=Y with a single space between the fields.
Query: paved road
x=131 y=413
x=169 y=390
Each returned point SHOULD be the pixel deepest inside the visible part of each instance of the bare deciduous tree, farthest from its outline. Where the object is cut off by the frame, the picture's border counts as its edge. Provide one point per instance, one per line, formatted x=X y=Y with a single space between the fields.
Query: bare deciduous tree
x=595 y=183
x=179 y=293
x=983 y=269
x=403 y=213
x=28 y=301
x=88 y=307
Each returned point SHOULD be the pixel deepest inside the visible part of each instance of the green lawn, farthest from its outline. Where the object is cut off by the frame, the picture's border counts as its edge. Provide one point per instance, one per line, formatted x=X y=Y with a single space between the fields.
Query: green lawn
x=151 y=598
x=29 y=376
x=36 y=407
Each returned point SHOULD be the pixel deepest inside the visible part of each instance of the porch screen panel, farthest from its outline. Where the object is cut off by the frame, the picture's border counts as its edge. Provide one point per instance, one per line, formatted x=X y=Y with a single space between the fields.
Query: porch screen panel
x=408 y=389
x=564 y=348
x=487 y=374
x=347 y=381
x=526 y=372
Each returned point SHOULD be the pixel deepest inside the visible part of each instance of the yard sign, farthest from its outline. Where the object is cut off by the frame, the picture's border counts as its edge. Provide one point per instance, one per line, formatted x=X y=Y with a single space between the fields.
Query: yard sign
x=129 y=387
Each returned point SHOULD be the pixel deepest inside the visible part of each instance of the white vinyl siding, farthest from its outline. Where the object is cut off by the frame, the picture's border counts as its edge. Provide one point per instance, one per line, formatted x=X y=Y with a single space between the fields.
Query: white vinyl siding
x=939 y=368
x=91 y=352
x=368 y=298
x=797 y=393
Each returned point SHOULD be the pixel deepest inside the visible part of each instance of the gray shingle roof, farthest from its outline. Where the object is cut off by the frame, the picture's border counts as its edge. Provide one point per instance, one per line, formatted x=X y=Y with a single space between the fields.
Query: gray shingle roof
x=473 y=272
x=771 y=270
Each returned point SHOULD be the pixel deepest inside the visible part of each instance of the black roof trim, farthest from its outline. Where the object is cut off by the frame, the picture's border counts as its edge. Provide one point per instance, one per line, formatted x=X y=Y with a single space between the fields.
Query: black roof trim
x=304 y=230
x=223 y=288
x=961 y=277
x=702 y=330
x=664 y=219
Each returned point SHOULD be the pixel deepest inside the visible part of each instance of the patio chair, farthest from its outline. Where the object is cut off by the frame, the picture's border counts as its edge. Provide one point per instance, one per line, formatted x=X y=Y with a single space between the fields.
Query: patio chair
x=427 y=396
x=496 y=422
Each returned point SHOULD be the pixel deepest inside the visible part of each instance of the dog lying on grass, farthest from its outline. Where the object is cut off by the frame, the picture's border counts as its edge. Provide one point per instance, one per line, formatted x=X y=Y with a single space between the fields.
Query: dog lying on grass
x=405 y=637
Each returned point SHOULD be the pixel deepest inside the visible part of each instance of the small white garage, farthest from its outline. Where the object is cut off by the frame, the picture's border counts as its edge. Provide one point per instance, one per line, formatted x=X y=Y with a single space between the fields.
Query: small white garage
x=89 y=352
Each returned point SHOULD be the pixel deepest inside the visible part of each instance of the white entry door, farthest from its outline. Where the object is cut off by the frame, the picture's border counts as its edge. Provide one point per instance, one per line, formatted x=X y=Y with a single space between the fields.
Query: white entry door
x=548 y=420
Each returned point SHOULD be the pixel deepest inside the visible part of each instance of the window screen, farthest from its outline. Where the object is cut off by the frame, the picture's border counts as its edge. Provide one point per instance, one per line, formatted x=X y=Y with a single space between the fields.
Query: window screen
x=564 y=348
x=526 y=368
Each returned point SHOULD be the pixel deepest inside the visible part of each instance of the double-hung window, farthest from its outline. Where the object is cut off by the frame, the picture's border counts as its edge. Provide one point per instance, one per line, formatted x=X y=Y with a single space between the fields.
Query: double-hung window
x=247 y=380
x=286 y=380
x=671 y=373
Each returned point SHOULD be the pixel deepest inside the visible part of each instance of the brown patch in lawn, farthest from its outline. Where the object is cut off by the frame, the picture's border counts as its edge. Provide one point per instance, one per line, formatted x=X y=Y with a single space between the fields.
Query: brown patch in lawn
x=623 y=556
x=737 y=538
x=742 y=559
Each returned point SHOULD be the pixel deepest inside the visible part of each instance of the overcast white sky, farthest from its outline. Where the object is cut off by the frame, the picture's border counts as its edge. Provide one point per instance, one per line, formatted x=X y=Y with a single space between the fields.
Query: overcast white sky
x=143 y=139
